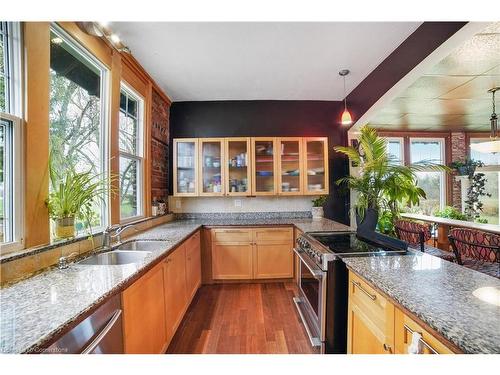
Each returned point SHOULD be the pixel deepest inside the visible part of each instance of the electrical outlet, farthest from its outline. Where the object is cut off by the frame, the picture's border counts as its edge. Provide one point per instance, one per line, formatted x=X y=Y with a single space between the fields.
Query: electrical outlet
x=178 y=203
x=237 y=203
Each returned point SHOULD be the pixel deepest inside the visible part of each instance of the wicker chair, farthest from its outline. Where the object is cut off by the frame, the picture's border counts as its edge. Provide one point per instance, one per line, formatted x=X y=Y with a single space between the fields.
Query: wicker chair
x=477 y=250
x=417 y=235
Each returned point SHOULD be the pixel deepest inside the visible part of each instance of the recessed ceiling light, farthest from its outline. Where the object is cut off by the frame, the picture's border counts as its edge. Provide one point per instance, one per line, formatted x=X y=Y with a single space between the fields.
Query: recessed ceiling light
x=56 y=40
x=114 y=38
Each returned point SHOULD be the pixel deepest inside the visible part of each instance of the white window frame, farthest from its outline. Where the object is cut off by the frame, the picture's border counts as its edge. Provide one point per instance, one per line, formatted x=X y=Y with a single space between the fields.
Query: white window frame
x=14 y=114
x=104 y=114
x=401 y=141
x=139 y=156
x=442 y=178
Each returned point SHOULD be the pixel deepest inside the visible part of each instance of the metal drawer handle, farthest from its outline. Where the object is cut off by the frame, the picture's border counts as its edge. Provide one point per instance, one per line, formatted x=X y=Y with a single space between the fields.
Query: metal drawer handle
x=421 y=340
x=315 y=272
x=315 y=341
x=373 y=297
x=103 y=333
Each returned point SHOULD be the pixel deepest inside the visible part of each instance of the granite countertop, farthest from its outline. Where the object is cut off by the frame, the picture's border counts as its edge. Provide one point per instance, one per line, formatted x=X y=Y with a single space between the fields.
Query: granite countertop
x=35 y=310
x=440 y=294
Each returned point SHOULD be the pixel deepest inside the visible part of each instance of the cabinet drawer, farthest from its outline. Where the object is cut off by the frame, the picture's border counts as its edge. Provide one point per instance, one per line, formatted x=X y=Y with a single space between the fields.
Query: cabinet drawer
x=276 y=235
x=405 y=326
x=231 y=235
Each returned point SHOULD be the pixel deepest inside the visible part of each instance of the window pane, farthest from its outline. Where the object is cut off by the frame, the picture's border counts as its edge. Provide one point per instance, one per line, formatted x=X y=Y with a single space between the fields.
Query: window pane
x=429 y=151
x=75 y=113
x=486 y=158
x=128 y=134
x=491 y=204
x=6 y=194
x=394 y=149
x=129 y=187
x=431 y=183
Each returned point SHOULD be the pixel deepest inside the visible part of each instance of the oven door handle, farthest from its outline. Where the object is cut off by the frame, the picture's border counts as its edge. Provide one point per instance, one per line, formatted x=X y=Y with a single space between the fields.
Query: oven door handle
x=316 y=272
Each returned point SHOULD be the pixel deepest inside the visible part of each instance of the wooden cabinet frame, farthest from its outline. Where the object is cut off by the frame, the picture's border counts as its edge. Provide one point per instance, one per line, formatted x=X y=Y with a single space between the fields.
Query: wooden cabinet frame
x=226 y=166
x=201 y=163
x=279 y=168
x=196 y=166
x=326 y=188
x=254 y=167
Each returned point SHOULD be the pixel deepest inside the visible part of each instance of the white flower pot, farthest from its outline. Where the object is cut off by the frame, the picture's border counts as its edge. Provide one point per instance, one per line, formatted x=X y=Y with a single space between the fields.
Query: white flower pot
x=317 y=212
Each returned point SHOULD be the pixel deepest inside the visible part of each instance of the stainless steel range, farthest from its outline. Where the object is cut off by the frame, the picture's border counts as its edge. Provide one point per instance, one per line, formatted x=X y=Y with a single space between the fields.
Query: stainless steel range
x=322 y=281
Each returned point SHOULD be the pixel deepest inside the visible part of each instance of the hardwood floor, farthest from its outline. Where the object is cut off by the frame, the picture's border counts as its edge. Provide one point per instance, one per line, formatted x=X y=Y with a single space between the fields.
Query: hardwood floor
x=244 y=319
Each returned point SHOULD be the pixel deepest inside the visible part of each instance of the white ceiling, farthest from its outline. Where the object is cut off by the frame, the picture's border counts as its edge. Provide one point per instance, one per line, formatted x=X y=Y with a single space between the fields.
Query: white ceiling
x=260 y=61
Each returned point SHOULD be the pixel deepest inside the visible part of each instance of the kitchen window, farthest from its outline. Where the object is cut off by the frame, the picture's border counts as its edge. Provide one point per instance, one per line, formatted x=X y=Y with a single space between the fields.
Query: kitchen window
x=78 y=114
x=10 y=137
x=131 y=153
x=491 y=170
x=395 y=147
x=433 y=183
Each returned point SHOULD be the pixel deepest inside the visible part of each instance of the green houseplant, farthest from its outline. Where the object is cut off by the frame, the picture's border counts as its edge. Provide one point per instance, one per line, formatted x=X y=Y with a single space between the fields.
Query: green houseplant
x=466 y=167
x=383 y=185
x=317 y=207
x=450 y=212
x=73 y=196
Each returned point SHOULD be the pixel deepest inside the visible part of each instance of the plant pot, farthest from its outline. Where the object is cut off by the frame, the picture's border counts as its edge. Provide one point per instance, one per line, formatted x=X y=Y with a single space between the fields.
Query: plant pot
x=369 y=222
x=317 y=212
x=64 y=227
x=463 y=171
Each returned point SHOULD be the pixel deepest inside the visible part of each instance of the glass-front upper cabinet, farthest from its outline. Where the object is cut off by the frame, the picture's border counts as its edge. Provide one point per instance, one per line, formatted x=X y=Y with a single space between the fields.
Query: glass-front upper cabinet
x=264 y=166
x=185 y=167
x=237 y=166
x=290 y=171
x=316 y=165
x=211 y=170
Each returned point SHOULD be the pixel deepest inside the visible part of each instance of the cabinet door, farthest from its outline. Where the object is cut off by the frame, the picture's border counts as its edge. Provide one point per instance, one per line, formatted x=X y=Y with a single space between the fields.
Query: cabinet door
x=273 y=261
x=264 y=166
x=316 y=166
x=144 y=314
x=211 y=178
x=370 y=326
x=175 y=289
x=185 y=171
x=403 y=330
x=193 y=265
x=232 y=261
x=290 y=170
x=238 y=167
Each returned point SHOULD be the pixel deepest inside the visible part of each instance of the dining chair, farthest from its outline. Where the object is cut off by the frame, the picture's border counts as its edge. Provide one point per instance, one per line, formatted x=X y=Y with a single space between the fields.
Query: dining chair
x=417 y=234
x=477 y=250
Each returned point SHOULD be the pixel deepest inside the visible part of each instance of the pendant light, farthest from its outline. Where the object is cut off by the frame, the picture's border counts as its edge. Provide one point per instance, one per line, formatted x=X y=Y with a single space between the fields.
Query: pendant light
x=492 y=146
x=346 y=115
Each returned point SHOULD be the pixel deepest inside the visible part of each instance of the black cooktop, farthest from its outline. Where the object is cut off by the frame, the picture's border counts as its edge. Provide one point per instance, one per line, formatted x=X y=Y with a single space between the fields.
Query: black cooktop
x=352 y=244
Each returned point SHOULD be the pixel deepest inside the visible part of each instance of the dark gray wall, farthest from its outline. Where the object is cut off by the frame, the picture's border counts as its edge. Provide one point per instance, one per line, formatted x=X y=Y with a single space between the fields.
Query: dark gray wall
x=268 y=118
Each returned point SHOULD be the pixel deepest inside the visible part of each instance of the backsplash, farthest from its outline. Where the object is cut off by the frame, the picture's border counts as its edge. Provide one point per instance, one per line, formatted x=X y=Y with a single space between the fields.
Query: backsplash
x=239 y=204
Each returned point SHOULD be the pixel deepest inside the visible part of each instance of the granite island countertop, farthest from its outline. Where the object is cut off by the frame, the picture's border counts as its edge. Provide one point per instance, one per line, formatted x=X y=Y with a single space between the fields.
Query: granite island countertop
x=35 y=310
x=440 y=294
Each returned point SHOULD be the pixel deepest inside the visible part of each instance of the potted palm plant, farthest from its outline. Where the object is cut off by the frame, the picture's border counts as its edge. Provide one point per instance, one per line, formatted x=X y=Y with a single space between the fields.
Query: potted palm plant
x=383 y=183
x=73 y=196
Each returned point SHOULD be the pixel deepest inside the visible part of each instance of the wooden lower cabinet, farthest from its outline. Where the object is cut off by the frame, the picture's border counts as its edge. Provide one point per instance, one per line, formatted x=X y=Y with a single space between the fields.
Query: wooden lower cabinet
x=376 y=326
x=175 y=288
x=232 y=261
x=252 y=253
x=144 y=323
x=155 y=304
x=370 y=320
x=193 y=265
x=403 y=329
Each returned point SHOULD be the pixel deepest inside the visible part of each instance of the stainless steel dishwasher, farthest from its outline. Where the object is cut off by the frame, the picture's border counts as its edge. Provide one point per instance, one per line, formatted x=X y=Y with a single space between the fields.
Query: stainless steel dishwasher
x=99 y=333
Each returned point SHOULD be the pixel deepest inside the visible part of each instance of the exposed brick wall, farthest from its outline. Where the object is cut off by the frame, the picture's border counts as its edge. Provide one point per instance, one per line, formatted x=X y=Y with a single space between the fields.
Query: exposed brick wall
x=159 y=147
x=458 y=152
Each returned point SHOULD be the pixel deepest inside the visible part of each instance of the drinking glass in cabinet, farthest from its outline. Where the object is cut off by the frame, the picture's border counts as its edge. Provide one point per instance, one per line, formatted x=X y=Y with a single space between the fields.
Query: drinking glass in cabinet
x=264 y=166
x=237 y=159
x=290 y=166
x=315 y=166
x=211 y=167
x=186 y=172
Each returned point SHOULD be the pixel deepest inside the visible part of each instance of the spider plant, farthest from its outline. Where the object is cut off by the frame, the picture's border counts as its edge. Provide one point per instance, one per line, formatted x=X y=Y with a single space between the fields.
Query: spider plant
x=383 y=183
x=74 y=195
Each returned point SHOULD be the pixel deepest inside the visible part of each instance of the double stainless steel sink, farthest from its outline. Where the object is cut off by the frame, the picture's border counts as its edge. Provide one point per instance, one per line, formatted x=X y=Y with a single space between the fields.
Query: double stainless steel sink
x=127 y=253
